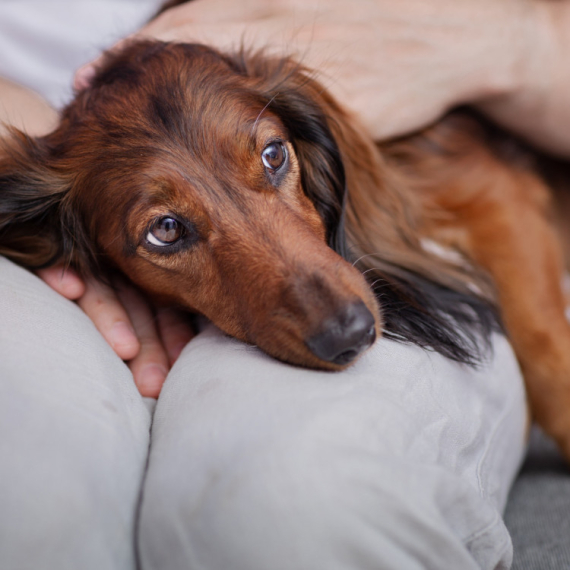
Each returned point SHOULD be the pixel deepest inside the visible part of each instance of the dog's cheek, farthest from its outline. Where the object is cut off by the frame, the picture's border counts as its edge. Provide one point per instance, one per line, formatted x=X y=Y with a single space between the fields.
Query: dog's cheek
x=311 y=217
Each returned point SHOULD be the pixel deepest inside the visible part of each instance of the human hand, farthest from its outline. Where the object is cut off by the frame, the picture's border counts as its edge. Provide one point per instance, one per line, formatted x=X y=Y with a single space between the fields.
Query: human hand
x=397 y=64
x=149 y=339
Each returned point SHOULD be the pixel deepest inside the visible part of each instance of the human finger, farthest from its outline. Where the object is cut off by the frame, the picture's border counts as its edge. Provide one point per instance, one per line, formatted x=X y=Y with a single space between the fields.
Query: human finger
x=85 y=74
x=151 y=364
x=101 y=304
x=175 y=331
x=64 y=281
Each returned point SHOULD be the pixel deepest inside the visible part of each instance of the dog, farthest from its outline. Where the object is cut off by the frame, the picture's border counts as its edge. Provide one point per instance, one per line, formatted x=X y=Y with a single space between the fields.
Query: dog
x=233 y=185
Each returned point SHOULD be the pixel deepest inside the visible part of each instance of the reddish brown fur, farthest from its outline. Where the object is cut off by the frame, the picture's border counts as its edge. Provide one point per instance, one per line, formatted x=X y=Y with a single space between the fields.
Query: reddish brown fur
x=169 y=129
x=276 y=300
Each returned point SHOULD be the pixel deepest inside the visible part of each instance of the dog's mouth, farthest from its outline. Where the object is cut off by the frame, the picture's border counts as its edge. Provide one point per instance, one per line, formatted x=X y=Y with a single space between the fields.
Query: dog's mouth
x=329 y=330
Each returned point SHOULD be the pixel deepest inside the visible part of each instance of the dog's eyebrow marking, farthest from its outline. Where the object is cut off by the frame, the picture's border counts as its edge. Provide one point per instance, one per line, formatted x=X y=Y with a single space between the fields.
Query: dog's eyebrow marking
x=139 y=200
x=261 y=113
x=166 y=111
x=130 y=247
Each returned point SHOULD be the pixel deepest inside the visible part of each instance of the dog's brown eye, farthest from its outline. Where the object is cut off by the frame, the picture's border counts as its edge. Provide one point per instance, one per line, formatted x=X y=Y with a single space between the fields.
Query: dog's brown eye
x=273 y=155
x=165 y=231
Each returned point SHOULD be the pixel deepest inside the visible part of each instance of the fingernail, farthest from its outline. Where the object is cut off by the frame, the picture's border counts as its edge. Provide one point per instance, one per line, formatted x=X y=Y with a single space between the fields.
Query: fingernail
x=150 y=379
x=122 y=335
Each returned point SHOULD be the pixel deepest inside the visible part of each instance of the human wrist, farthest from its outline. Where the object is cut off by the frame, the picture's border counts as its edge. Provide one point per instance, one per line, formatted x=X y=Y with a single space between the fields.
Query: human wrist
x=534 y=105
x=476 y=54
x=510 y=53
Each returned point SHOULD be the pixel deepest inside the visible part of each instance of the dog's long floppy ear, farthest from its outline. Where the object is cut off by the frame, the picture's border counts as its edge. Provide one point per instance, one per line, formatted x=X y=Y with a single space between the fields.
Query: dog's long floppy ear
x=304 y=112
x=34 y=231
x=425 y=299
x=335 y=154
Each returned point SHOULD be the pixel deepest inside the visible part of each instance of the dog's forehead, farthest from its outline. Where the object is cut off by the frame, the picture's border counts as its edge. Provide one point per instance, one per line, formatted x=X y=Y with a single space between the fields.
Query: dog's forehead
x=174 y=121
x=185 y=94
x=204 y=116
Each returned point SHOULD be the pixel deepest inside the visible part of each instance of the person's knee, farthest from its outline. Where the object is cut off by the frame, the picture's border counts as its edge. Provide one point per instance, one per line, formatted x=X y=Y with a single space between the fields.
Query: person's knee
x=74 y=435
x=313 y=499
x=258 y=465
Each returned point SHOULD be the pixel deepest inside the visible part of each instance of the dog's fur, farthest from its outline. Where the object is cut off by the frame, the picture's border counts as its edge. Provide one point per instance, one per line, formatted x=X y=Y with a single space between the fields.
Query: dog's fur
x=279 y=257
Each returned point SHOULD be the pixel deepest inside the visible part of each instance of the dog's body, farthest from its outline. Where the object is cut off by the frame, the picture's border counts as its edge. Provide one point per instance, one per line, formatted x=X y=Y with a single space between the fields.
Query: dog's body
x=215 y=182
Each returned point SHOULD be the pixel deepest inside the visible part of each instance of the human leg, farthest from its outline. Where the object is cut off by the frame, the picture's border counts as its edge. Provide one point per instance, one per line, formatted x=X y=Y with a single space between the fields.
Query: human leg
x=403 y=461
x=73 y=436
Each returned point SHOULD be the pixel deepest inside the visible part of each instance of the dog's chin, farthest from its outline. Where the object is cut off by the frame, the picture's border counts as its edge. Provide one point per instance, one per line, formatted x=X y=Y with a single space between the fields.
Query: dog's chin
x=302 y=357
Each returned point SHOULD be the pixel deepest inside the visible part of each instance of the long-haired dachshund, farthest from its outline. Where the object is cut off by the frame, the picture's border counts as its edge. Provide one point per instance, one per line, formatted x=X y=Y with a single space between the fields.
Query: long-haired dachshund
x=233 y=185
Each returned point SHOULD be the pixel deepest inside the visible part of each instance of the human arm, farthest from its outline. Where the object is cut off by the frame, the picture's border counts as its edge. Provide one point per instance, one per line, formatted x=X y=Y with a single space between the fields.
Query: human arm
x=536 y=106
x=401 y=64
x=24 y=109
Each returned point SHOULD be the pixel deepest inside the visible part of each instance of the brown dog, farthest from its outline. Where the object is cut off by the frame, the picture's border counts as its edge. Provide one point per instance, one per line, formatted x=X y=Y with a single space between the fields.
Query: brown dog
x=234 y=186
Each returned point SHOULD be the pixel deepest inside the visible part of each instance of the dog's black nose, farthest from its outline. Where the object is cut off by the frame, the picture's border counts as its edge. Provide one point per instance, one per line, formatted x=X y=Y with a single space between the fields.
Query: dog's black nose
x=345 y=335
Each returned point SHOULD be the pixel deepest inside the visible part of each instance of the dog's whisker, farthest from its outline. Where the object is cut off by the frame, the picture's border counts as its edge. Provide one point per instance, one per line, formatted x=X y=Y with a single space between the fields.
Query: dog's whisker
x=370 y=269
x=364 y=257
x=261 y=113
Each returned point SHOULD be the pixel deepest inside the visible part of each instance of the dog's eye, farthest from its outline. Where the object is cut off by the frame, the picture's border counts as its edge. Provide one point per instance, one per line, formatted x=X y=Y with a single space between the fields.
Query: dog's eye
x=273 y=155
x=165 y=231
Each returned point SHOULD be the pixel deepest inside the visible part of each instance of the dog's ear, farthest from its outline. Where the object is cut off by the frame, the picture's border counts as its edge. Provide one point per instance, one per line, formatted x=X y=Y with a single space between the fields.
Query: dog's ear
x=306 y=112
x=424 y=298
x=335 y=154
x=34 y=231
x=323 y=176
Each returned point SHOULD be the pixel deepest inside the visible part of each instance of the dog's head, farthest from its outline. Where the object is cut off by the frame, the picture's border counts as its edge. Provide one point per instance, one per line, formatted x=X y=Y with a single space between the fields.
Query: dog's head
x=212 y=182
